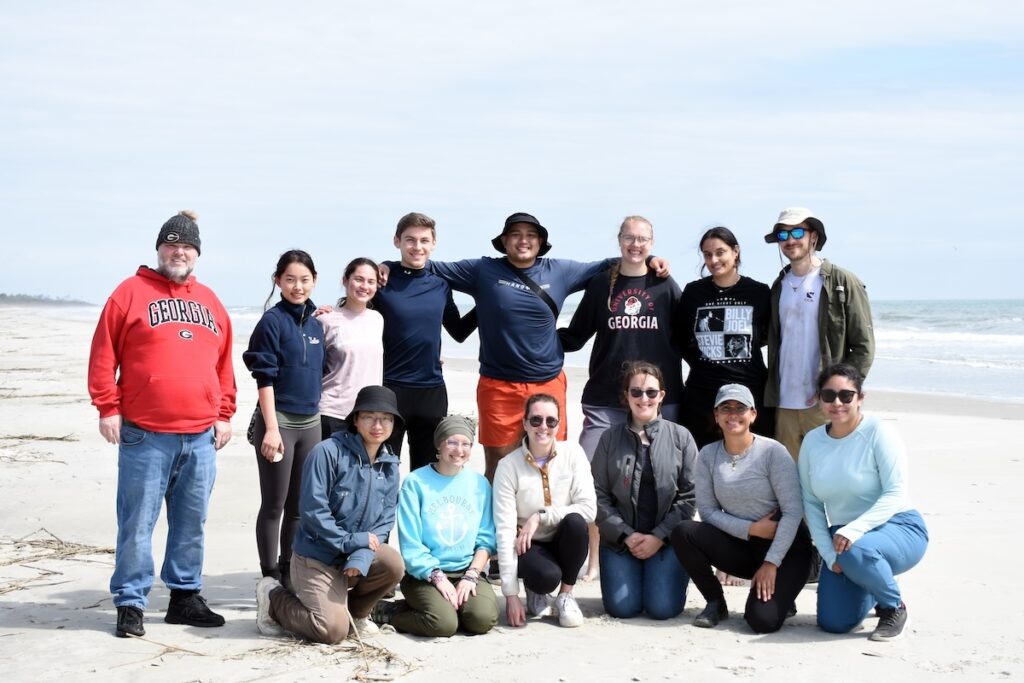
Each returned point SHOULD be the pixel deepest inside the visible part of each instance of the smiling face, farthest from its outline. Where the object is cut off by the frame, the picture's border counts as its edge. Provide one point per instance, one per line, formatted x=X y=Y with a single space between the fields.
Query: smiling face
x=453 y=453
x=799 y=249
x=522 y=244
x=843 y=416
x=375 y=428
x=176 y=261
x=734 y=418
x=416 y=244
x=296 y=283
x=635 y=241
x=541 y=437
x=361 y=285
x=644 y=408
x=719 y=258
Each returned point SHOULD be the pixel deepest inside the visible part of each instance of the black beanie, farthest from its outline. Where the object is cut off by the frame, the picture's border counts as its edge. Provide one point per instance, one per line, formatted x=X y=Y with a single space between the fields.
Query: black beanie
x=182 y=229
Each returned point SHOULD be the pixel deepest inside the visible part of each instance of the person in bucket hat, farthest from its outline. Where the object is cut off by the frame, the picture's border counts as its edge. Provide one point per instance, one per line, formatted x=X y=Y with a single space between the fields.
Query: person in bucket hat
x=341 y=563
x=819 y=315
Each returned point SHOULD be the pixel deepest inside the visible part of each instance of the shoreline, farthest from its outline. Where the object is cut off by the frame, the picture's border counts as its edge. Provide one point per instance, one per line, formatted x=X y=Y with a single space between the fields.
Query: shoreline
x=876 y=400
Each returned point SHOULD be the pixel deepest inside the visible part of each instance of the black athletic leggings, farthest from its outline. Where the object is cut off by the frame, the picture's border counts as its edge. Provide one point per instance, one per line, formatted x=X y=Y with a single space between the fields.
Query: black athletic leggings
x=699 y=545
x=548 y=563
x=279 y=492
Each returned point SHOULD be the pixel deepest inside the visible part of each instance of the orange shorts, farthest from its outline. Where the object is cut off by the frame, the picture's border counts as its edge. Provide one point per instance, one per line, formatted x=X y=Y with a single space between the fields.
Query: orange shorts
x=500 y=405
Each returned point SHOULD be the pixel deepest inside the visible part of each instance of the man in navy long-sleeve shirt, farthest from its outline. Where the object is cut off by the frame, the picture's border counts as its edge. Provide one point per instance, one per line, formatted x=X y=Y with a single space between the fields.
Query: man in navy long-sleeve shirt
x=415 y=303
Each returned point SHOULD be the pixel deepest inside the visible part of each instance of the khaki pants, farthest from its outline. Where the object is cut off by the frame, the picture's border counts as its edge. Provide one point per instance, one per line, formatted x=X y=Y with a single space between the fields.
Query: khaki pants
x=317 y=610
x=791 y=426
x=425 y=612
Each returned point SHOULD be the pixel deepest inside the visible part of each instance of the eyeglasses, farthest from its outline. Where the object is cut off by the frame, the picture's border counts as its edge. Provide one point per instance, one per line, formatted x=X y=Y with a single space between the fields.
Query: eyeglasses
x=537 y=421
x=638 y=240
x=795 y=233
x=371 y=419
x=637 y=392
x=454 y=443
x=738 y=409
x=829 y=396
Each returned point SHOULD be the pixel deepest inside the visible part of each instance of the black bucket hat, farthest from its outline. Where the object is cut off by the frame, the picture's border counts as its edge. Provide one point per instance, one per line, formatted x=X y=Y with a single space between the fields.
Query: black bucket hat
x=374 y=399
x=521 y=217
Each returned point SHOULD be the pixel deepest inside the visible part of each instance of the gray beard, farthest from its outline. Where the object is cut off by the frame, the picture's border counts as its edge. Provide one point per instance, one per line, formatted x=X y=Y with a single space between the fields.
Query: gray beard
x=174 y=273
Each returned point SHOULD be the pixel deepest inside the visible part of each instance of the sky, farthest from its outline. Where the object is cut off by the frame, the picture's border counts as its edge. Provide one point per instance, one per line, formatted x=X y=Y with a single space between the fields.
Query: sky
x=317 y=125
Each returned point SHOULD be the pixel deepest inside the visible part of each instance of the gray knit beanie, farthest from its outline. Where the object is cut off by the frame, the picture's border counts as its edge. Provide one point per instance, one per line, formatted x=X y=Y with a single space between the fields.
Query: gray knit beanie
x=453 y=424
x=180 y=228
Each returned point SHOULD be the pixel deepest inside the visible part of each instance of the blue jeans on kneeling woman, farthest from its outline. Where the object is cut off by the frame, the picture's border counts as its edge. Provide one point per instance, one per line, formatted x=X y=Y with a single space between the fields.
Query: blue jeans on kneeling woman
x=655 y=586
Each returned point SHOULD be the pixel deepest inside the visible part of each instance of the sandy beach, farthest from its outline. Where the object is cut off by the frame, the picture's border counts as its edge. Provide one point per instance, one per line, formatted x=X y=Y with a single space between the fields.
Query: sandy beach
x=57 y=530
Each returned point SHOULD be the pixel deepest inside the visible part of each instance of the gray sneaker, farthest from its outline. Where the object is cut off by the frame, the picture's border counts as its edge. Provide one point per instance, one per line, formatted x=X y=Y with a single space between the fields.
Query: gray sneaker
x=539 y=604
x=891 y=622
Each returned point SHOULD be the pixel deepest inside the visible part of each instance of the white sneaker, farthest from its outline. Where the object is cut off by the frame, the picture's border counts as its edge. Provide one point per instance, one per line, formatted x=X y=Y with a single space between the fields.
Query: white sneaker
x=539 y=604
x=264 y=622
x=569 y=614
x=364 y=626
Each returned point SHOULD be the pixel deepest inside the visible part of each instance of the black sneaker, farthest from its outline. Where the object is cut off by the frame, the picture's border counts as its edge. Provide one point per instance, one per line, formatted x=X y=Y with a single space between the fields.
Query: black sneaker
x=383 y=611
x=493 y=572
x=891 y=622
x=190 y=608
x=715 y=612
x=129 y=622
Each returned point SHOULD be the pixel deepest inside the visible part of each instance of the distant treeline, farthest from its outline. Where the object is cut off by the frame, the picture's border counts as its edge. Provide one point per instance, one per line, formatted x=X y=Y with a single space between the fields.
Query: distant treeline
x=16 y=299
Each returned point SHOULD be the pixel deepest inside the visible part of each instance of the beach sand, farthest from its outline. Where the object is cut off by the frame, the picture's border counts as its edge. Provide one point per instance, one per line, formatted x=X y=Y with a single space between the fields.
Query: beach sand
x=57 y=483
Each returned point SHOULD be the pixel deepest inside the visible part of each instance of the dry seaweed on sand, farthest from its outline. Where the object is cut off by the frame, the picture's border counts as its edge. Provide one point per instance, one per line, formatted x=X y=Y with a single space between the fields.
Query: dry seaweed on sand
x=374 y=663
x=29 y=549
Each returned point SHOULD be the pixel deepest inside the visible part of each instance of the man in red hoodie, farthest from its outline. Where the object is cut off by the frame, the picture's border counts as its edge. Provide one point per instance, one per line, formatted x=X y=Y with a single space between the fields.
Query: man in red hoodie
x=160 y=374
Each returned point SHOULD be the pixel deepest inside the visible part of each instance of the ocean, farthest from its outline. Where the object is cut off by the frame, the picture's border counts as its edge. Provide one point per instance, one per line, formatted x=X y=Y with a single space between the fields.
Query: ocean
x=960 y=347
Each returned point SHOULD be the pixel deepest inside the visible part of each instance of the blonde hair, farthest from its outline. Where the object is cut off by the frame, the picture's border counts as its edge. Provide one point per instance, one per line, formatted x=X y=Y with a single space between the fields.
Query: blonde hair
x=613 y=273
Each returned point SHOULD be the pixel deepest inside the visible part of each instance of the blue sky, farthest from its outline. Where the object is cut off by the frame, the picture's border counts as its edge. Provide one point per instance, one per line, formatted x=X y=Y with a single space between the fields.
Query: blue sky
x=319 y=124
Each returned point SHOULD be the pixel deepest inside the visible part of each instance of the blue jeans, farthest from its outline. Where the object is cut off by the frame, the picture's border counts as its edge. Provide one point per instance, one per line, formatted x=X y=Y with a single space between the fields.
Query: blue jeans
x=153 y=467
x=629 y=586
x=869 y=570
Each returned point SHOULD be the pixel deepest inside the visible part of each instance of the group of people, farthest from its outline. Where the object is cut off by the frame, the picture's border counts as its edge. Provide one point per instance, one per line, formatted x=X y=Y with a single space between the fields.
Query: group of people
x=339 y=390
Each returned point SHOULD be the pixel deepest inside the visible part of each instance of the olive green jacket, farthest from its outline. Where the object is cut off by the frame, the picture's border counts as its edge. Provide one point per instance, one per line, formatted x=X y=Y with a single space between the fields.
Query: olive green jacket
x=844 y=325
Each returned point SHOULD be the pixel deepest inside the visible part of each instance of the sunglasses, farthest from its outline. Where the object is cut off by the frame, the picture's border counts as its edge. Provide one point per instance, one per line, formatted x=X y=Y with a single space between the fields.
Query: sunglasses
x=637 y=392
x=829 y=396
x=795 y=233
x=537 y=421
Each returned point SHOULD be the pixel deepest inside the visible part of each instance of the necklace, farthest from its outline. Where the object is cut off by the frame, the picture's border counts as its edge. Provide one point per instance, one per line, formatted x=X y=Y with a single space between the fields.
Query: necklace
x=800 y=283
x=736 y=458
x=726 y=288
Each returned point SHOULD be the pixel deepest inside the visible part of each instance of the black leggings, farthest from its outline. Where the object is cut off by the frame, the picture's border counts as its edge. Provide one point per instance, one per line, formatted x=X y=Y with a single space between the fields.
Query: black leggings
x=548 y=563
x=279 y=492
x=421 y=410
x=699 y=545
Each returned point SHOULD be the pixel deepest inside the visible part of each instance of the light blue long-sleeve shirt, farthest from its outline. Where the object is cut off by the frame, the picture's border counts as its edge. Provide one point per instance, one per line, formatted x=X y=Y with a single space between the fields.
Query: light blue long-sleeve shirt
x=443 y=521
x=857 y=482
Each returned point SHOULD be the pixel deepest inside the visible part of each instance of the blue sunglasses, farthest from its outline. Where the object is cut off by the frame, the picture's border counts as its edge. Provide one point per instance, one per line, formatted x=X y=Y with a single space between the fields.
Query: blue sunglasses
x=795 y=233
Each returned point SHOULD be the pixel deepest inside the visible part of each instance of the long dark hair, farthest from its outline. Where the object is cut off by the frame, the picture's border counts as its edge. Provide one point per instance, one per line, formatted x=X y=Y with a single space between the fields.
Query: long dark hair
x=287 y=258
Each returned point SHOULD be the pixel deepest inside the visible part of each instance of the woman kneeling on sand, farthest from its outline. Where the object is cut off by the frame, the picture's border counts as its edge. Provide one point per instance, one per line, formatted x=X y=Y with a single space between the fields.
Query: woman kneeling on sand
x=643 y=475
x=543 y=501
x=745 y=482
x=446 y=532
x=341 y=564
x=853 y=474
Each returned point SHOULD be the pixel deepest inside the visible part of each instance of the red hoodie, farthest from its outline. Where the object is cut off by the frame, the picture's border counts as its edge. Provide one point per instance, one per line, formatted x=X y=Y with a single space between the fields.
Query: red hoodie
x=169 y=347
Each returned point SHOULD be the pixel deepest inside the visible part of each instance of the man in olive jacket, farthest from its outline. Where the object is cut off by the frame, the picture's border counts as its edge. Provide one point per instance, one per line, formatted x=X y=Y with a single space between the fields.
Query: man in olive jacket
x=820 y=315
